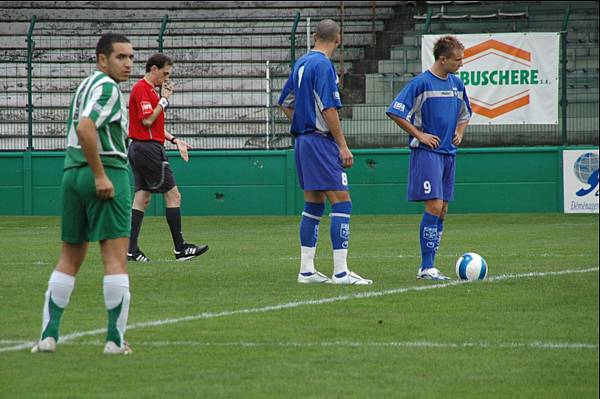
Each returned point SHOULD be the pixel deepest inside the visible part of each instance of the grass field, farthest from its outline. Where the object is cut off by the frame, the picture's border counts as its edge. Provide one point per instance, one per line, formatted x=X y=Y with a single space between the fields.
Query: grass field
x=235 y=324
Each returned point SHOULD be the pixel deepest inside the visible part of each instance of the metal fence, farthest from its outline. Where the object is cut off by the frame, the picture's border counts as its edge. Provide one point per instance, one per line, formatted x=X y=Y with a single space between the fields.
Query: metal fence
x=228 y=75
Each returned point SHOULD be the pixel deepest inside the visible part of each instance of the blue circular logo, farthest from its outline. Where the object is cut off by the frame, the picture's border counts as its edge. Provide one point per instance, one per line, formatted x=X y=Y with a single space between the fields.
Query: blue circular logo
x=585 y=166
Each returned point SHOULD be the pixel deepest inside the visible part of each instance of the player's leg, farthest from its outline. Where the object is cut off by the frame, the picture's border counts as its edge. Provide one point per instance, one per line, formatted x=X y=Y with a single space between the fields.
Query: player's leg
x=183 y=250
x=314 y=205
x=58 y=294
x=341 y=208
x=110 y=224
x=448 y=195
x=116 y=294
x=425 y=184
x=141 y=200
x=74 y=235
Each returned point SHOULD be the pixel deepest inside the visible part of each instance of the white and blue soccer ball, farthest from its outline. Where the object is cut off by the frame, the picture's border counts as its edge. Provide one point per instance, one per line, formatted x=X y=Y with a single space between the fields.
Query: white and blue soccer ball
x=471 y=266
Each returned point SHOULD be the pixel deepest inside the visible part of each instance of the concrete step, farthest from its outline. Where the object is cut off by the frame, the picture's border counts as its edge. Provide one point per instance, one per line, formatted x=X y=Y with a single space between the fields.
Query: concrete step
x=178 y=55
x=252 y=114
x=60 y=84
x=175 y=28
x=190 y=42
x=230 y=13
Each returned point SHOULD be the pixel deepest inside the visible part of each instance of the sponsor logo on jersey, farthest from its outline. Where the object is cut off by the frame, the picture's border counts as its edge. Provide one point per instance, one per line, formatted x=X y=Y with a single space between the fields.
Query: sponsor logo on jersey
x=146 y=107
x=399 y=106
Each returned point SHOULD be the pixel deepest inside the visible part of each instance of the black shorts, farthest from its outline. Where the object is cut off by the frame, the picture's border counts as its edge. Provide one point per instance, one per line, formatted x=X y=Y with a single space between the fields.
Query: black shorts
x=150 y=166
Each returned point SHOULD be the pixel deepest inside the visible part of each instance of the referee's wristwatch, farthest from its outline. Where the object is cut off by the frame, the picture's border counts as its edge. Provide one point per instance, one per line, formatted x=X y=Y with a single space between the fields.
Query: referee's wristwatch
x=163 y=102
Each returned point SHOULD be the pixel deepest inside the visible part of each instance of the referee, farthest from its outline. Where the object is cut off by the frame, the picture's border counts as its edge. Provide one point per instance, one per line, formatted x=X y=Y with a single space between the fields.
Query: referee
x=148 y=158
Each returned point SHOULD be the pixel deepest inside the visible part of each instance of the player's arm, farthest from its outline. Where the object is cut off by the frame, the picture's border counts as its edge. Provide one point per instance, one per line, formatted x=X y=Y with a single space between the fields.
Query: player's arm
x=430 y=140
x=182 y=146
x=166 y=92
x=289 y=112
x=460 y=132
x=86 y=131
x=332 y=118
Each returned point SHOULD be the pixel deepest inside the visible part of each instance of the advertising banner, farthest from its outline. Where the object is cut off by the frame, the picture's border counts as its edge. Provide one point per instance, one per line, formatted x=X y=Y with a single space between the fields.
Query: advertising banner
x=511 y=78
x=580 y=181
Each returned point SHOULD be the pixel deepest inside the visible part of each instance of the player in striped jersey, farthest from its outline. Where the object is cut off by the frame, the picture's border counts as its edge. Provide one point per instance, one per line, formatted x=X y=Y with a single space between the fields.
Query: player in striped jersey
x=96 y=195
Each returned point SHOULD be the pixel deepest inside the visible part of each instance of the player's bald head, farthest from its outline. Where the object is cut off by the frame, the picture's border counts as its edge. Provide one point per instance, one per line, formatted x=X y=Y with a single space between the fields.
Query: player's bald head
x=327 y=31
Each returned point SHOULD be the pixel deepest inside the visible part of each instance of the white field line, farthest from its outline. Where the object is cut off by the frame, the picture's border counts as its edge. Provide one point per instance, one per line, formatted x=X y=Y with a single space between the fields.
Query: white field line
x=297 y=258
x=357 y=344
x=291 y=305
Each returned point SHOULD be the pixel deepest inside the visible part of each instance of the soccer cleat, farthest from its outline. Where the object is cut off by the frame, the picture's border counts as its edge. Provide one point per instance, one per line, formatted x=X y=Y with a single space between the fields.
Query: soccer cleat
x=350 y=278
x=137 y=256
x=431 y=274
x=315 y=278
x=189 y=251
x=47 y=344
x=110 y=348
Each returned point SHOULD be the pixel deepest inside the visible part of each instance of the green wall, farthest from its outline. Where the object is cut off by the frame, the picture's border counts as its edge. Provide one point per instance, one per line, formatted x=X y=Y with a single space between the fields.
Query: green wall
x=264 y=182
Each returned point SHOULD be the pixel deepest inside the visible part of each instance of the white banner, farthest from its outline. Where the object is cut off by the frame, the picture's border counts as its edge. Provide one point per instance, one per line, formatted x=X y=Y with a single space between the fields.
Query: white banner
x=511 y=78
x=580 y=181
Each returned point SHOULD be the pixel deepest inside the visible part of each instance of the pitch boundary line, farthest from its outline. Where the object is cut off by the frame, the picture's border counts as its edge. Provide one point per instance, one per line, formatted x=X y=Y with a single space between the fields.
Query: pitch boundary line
x=291 y=305
x=357 y=344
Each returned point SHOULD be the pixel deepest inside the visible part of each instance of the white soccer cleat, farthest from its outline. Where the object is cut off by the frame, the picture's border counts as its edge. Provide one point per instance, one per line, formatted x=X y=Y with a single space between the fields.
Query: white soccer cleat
x=350 y=278
x=315 y=278
x=431 y=274
x=47 y=344
x=110 y=348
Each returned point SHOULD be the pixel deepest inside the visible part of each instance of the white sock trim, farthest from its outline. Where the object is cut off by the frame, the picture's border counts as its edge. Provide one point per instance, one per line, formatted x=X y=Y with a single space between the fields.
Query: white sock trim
x=308 y=215
x=341 y=215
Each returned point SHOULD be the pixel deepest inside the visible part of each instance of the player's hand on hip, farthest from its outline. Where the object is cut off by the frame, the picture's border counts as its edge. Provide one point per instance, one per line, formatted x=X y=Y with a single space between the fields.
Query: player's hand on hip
x=347 y=157
x=457 y=139
x=167 y=89
x=104 y=188
x=430 y=140
x=183 y=147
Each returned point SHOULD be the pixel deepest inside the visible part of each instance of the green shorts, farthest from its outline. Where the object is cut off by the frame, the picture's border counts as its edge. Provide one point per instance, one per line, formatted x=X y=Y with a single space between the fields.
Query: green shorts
x=85 y=217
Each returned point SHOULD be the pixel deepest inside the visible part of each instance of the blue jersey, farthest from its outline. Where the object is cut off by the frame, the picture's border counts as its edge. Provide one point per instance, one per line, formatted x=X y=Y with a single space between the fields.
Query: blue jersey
x=435 y=106
x=311 y=89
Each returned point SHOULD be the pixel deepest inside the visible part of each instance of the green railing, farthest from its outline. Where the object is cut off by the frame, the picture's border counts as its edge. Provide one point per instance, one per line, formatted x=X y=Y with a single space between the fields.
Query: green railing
x=221 y=100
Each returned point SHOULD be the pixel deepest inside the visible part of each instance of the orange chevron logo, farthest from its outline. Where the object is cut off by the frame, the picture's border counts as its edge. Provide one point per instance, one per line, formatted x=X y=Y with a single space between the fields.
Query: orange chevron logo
x=514 y=55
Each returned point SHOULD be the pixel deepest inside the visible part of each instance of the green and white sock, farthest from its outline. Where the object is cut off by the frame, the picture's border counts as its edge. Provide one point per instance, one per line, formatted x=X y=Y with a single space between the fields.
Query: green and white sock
x=60 y=287
x=116 y=299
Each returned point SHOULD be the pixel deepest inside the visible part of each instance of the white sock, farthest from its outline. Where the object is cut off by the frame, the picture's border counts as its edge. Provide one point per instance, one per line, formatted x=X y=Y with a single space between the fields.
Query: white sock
x=60 y=287
x=339 y=261
x=117 y=299
x=307 y=259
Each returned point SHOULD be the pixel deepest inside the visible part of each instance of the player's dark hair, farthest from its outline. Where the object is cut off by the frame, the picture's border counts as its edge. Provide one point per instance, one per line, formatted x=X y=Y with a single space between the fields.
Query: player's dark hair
x=105 y=44
x=159 y=60
x=445 y=46
x=327 y=30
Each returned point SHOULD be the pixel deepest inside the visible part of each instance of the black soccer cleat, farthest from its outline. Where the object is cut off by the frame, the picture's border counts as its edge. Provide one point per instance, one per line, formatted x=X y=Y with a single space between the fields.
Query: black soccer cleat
x=189 y=251
x=137 y=256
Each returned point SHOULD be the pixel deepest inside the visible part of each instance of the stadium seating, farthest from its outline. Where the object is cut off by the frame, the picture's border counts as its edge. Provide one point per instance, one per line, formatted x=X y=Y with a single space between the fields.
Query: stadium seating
x=220 y=51
x=455 y=17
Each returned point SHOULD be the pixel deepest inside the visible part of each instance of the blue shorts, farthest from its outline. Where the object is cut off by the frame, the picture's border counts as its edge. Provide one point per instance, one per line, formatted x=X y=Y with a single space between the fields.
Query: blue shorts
x=431 y=176
x=318 y=163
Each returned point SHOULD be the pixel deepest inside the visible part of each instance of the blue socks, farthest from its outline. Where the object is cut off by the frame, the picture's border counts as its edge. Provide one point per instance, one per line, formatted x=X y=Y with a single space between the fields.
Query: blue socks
x=340 y=234
x=309 y=233
x=429 y=239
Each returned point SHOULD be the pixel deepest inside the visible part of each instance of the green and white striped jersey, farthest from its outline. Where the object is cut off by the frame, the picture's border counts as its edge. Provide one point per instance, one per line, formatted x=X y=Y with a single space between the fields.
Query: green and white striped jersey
x=99 y=98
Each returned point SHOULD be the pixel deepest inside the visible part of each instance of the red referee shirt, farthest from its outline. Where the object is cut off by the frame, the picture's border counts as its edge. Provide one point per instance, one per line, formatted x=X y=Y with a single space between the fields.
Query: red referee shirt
x=142 y=101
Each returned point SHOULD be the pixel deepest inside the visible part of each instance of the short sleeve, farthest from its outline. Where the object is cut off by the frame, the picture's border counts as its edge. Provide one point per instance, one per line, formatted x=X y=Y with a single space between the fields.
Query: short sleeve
x=403 y=105
x=103 y=104
x=287 y=98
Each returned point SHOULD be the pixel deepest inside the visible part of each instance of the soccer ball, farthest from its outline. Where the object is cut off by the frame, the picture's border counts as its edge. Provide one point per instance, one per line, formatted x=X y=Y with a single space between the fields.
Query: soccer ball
x=471 y=266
